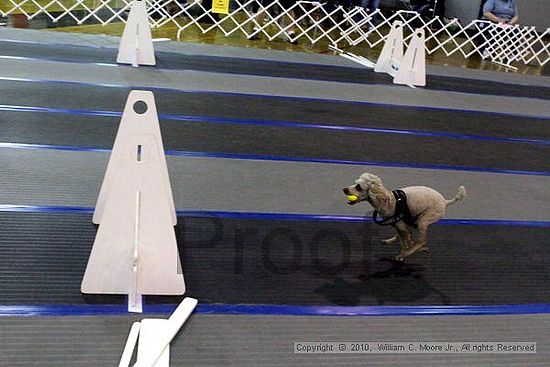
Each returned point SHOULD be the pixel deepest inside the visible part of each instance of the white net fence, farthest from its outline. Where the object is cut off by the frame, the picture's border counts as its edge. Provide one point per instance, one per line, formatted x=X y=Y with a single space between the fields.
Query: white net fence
x=308 y=22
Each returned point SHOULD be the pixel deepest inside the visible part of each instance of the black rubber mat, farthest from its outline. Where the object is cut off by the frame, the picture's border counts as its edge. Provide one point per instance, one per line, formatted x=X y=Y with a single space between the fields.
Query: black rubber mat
x=62 y=95
x=99 y=132
x=269 y=68
x=43 y=257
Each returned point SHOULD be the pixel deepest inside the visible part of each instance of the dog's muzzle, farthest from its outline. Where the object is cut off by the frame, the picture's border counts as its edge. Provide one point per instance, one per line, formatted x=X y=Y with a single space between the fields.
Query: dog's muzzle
x=353 y=202
x=352 y=199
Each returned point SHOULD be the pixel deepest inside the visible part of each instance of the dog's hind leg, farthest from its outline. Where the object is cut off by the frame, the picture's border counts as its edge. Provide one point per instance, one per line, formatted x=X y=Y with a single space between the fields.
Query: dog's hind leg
x=405 y=237
x=422 y=239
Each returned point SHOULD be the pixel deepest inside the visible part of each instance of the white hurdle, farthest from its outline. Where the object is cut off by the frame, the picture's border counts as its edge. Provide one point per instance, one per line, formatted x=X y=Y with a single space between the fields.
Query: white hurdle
x=408 y=69
x=136 y=44
x=135 y=250
x=412 y=71
x=391 y=57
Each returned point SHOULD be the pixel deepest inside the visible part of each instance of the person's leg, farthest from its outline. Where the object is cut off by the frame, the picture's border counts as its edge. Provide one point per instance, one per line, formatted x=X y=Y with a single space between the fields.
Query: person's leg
x=257 y=9
x=440 y=9
x=289 y=20
x=373 y=5
x=364 y=4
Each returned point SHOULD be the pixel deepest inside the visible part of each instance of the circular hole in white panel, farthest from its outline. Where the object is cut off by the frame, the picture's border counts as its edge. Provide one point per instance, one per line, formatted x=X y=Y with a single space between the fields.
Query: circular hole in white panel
x=140 y=107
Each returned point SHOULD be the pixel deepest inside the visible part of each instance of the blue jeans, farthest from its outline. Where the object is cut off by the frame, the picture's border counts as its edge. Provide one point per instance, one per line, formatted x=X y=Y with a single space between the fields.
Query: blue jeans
x=371 y=6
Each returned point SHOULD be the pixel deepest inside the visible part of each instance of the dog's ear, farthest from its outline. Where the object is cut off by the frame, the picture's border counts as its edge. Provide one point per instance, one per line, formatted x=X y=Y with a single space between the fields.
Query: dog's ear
x=376 y=195
x=371 y=198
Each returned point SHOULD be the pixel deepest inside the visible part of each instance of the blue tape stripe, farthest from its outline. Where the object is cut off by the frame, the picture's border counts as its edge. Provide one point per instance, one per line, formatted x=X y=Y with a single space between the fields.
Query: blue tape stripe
x=431 y=134
x=355 y=163
x=114 y=48
x=372 y=310
x=266 y=96
x=278 y=310
x=65 y=111
x=182 y=68
x=274 y=216
x=350 y=218
x=45 y=209
x=275 y=123
x=52 y=147
x=88 y=84
x=181 y=153
x=49 y=59
x=41 y=43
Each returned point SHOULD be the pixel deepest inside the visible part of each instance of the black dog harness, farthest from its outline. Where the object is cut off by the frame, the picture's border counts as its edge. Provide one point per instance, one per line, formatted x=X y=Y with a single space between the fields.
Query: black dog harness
x=401 y=212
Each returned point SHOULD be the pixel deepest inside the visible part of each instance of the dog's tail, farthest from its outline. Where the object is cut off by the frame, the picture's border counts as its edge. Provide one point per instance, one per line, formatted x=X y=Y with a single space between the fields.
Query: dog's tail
x=459 y=196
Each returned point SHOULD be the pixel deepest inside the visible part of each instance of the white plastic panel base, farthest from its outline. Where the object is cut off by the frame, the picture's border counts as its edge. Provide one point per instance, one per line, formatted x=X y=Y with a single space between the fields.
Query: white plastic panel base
x=130 y=345
x=154 y=349
x=150 y=328
x=359 y=59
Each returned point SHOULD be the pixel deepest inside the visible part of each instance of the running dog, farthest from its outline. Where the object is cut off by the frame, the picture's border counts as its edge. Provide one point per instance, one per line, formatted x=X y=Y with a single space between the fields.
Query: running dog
x=405 y=209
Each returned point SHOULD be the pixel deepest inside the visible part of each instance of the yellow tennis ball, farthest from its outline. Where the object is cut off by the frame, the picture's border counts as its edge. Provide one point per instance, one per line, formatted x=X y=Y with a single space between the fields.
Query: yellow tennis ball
x=352 y=198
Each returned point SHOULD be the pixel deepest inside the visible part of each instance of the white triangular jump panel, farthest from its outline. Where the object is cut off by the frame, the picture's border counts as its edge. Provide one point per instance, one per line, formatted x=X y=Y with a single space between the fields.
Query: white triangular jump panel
x=413 y=68
x=135 y=250
x=136 y=44
x=133 y=124
x=391 y=56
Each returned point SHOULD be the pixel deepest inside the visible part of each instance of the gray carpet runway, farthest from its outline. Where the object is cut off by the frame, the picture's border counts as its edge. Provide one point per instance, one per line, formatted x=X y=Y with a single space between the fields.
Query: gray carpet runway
x=216 y=340
x=173 y=61
x=262 y=140
x=254 y=107
x=248 y=107
x=32 y=177
x=337 y=113
x=190 y=80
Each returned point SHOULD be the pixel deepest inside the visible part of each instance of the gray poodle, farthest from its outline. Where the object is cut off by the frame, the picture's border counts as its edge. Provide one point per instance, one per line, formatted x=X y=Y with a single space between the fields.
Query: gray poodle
x=405 y=209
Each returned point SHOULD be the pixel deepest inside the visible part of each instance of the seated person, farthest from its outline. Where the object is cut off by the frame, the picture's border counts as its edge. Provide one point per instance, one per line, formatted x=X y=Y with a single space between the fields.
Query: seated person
x=501 y=11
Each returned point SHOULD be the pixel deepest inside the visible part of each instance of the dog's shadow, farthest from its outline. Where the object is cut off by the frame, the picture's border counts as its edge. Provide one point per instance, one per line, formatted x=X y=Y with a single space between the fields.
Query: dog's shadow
x=400 y=283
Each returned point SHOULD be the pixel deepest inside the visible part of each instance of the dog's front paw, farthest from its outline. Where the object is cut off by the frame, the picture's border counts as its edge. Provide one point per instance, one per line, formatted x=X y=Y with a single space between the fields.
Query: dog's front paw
x=399 y=257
